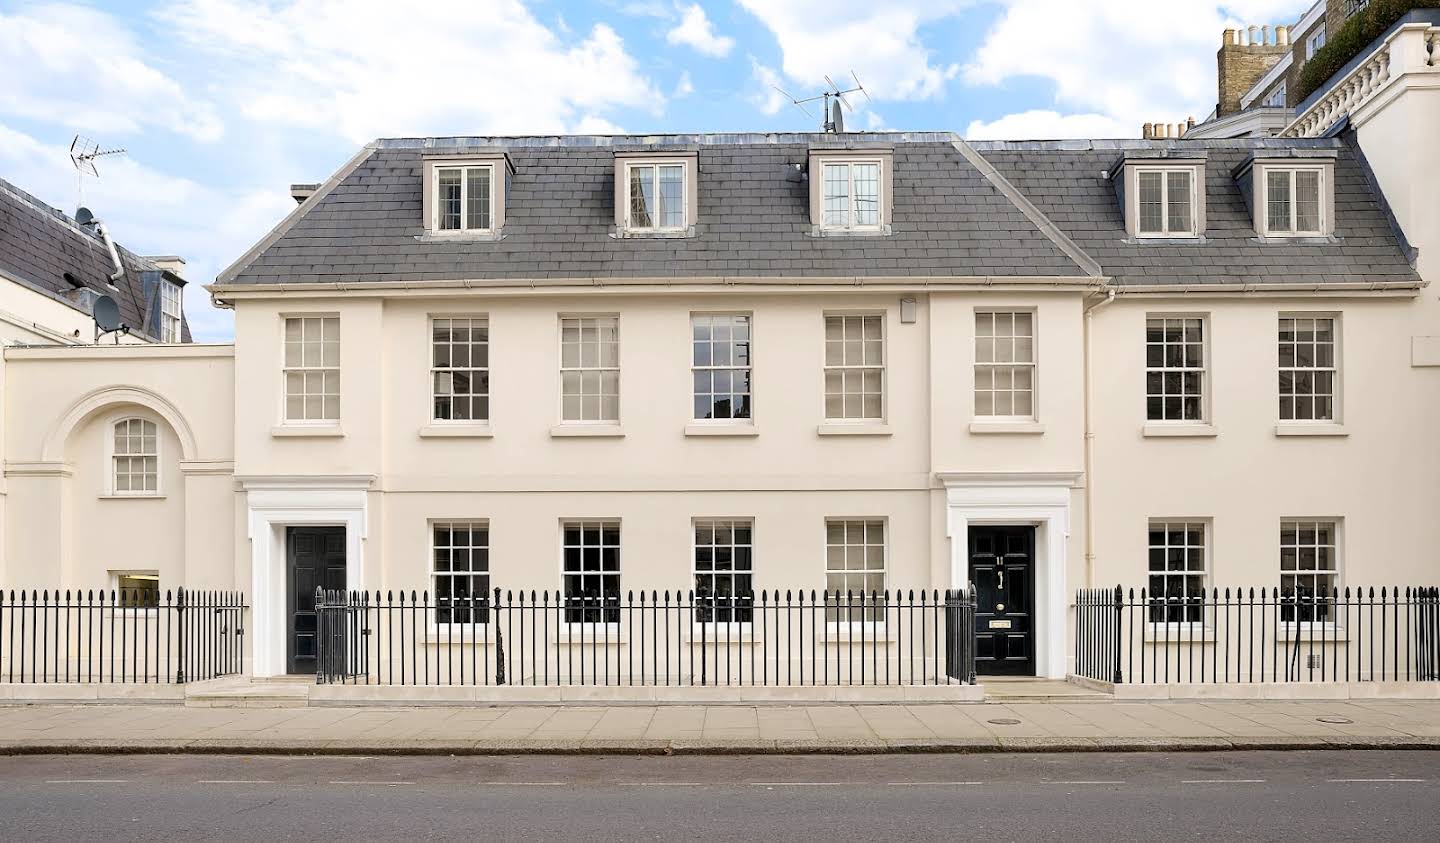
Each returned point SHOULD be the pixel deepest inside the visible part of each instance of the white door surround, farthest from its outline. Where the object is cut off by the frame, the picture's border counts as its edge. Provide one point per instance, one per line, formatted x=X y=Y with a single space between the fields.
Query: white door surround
x=272 y=504
x=1041 y=500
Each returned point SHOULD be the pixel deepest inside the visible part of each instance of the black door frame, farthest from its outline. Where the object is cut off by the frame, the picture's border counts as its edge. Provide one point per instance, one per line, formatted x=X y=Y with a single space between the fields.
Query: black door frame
x=295 y=601
x=984 y=614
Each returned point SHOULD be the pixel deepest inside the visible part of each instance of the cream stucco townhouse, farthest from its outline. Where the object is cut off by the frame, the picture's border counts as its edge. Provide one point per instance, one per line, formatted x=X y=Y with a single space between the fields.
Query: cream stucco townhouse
x=595 y=365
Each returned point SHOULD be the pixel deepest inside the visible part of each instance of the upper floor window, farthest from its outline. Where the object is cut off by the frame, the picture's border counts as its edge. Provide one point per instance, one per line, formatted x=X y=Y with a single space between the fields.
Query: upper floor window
x=1005 y=365
x=1276 y=98
x=1308 y=370
x=1165 y=201
x=1293 y=202
x=721 y=365
x=460 y=368
x=463 y=198
x=1175 y=368
x=655 y=196
x=312 y=368
x=590 y=369
x=850 y=194
x=135 y=458
x=1316 y=41
x=171 y=313
x=854 y=367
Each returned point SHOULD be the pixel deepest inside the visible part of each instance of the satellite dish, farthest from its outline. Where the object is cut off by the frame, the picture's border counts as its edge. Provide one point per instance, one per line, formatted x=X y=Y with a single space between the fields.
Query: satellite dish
x=839 y=118
x=83 y=216
x=106 y=313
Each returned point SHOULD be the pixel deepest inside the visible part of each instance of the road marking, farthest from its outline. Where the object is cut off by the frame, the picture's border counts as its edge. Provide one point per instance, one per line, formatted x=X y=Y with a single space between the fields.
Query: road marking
x=924 y=784
x=235 y=781
x=1085 y=782
x=378 y=784
x=662 y=784
x=1370 y=781
x=87 y=781
x=1223 y=781
x=523 y=784
x=800 y=784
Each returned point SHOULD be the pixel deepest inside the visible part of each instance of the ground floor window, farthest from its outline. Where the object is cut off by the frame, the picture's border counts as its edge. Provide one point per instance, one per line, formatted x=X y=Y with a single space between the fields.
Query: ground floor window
x=854 y=568
x=1309 y=571
x=591 y=571
x=724 y=571
x=461 y=573
x=136 y=589
x=1177 y=571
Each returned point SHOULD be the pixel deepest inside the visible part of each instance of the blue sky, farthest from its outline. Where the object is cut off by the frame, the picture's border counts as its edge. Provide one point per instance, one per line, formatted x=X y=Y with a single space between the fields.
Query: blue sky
x=221 y=104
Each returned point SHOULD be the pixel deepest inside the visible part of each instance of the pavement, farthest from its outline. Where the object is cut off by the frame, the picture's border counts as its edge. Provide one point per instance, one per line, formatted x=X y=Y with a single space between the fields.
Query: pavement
x=1338 y=795
x=721 y=729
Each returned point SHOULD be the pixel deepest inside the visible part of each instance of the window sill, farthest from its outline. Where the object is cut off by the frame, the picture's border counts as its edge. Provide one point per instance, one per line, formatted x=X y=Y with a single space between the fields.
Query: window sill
x=723 y=429
x=1181 y=429
x=1165 y=240
x=822 y=231
x=456 y=431
x=460 y=236
x=320 y=431
x=853 y=429
x=115 y=497
x=1310 y=429
x=1029 y=428
x=653 y=234
x=612 y=431
x=1178 y=633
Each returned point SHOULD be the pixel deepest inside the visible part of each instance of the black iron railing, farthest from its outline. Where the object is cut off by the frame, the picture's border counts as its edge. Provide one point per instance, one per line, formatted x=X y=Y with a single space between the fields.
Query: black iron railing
x=120 y=635
x=652 y=638
x=1258 y=635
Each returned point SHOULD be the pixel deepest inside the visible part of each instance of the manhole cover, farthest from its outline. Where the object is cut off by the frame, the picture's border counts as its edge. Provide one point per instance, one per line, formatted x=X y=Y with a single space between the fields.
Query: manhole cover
x=1004 y=721
x=1334 y=718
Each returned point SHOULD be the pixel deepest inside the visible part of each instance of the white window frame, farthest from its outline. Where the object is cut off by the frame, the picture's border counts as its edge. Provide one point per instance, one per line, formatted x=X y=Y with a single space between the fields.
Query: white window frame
x=849 y=163
x=436 y=204
x=435 y=574
x=172 y=311
x=712 y=367
x=1262 y=215
x=1314 y=43
x=112 y=458
x=1335 y=369
x=1276 y=98
x=685 y=188
x=1033 y=365
x=840 y=620
x=581 y=318
x=1336 y=570
x=844 y=367
x=581 y=626
x=1206 y=574
x=286 y=370
x=1197 y=185
x=436 y=371
x=1203 y=370
x=696 y=524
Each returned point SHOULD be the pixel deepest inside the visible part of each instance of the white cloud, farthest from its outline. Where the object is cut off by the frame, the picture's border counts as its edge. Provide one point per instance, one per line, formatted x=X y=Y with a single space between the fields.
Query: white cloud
x=695 y=30
x=153 y=213
x=766 y=97
x=592 y=125
x=685 y=87
x=1115 y=60
x=81 y=68
x=1042 y=124
x=879 y=41
x=372 y=68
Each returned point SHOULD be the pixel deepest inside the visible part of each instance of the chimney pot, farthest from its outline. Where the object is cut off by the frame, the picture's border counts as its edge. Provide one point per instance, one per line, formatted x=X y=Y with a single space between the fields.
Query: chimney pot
x=1146 y=130
x=1282 y=35
x=1228 y=38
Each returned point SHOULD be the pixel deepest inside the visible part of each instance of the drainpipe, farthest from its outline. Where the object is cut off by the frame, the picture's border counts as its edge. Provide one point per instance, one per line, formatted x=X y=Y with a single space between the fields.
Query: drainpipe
x=1090 y=446
x=114 y=253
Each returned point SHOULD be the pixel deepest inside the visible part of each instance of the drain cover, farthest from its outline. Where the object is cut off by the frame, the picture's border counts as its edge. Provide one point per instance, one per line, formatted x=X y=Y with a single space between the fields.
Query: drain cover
x=1004 y=721
x=1334 y=718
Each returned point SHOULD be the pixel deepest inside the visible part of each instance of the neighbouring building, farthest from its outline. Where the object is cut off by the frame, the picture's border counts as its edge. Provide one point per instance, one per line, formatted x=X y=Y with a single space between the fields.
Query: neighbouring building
x=865 y=361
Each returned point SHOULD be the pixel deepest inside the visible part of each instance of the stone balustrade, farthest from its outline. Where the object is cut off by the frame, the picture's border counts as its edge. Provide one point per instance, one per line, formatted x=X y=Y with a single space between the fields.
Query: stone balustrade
x=1411 y=48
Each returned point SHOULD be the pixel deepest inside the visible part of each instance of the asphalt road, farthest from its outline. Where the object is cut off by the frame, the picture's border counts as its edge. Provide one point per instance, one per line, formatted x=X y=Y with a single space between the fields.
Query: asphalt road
x=1147 y=796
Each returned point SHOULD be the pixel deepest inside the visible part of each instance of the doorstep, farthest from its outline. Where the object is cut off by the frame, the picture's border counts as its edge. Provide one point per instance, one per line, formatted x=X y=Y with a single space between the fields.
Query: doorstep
x=1030 y=689
x=244 y=692
x=1280 y=691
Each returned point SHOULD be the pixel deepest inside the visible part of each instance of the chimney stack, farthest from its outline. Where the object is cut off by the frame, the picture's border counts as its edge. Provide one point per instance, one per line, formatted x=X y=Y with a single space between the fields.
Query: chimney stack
x=1244 y=56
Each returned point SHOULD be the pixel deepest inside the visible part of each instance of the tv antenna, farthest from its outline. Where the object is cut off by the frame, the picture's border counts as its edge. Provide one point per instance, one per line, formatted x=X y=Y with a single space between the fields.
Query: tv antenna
x=83 y=154
x=832 y=120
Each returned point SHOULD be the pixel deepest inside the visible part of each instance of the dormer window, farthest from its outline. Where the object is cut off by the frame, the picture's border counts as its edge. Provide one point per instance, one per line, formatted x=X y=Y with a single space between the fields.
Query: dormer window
x=1293 y=203
x=171 y=314
x=655 y=196
x=464 y=196
x=850 y=190
x=1165 y=200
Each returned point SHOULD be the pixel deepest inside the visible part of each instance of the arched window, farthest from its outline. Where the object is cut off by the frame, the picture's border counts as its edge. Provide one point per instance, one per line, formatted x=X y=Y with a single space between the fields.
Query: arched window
x=135 y=459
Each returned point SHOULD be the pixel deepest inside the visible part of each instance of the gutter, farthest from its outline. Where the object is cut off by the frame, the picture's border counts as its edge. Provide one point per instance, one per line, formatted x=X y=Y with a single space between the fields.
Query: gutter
x=1090 y=441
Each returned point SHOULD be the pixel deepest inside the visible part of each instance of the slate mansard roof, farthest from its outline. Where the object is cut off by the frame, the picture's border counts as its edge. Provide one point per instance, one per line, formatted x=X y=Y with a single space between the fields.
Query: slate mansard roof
x=1031 y=209
x=39 y=245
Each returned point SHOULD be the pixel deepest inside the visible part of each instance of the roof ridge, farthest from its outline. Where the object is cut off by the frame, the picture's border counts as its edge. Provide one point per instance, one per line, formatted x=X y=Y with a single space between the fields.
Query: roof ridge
x=1028 y=208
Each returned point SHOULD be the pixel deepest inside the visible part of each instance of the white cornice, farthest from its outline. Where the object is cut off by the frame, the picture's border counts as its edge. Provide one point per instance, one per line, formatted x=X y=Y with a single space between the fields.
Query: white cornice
x=266 y=482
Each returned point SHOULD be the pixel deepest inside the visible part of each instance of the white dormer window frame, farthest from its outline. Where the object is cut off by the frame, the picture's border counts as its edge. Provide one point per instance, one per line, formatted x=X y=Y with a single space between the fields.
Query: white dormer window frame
x=172 y=311
x=1194 y=182
x=664 y=205
x=478 y=220
x=1295 y=221
x=831 y=166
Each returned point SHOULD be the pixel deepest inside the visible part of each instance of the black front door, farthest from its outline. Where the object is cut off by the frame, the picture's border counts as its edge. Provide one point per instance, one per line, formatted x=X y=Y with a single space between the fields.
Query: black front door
x=1002 y=567
x=315 y=559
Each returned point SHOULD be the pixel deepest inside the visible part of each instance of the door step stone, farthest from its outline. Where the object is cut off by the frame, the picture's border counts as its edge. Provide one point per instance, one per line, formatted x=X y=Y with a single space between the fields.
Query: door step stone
x=248 y=694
